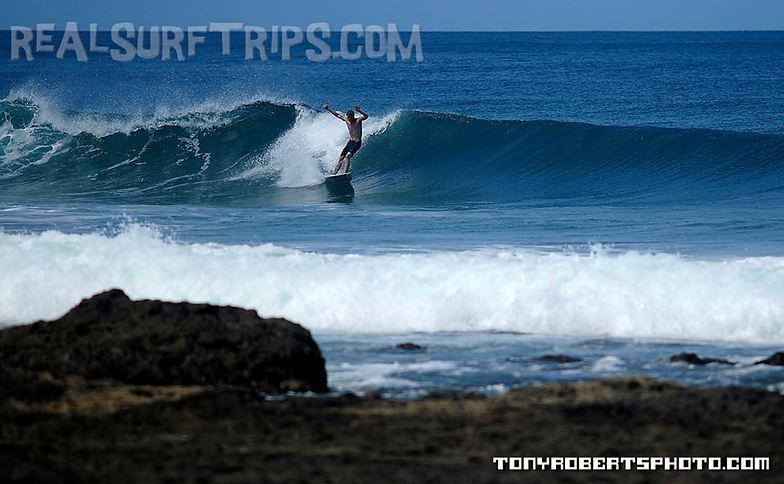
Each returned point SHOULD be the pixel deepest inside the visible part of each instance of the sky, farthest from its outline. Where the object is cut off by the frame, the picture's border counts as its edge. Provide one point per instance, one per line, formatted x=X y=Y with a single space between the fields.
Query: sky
x=526 y=15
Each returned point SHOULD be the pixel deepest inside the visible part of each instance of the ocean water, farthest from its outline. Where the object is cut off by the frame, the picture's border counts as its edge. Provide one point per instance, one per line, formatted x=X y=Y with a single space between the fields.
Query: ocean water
x=615 y=197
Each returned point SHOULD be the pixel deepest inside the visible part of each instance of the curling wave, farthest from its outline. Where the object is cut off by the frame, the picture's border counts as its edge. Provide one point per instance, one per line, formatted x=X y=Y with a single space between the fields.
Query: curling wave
x=266 y=152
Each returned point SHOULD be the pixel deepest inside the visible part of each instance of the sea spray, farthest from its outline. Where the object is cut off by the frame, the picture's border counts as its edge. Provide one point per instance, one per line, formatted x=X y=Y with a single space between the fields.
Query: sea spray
x=629 y=294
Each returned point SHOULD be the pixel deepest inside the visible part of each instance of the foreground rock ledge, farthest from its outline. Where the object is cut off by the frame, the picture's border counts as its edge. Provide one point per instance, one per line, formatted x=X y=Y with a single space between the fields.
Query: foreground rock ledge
x=231 y=434
x=109 y=338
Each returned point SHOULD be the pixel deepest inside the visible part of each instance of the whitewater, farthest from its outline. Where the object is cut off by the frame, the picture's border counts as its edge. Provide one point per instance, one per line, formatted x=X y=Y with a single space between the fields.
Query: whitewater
x=631 y=294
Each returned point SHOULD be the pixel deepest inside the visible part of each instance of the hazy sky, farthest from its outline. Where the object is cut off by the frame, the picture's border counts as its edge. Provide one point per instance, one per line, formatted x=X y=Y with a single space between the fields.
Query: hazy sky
x=431 y=15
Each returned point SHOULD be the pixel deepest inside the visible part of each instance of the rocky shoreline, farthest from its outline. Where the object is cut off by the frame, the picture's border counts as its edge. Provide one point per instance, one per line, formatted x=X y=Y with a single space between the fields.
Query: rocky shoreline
x=110 y=340
x=149 y=391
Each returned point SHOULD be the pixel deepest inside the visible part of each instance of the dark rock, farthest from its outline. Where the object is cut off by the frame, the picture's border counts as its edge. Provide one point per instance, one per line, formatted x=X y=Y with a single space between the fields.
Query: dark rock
x=229 y=434
x=559 y=358
x=110 y=337
x=693 y=359
x=776 y=359
x=545 y=358
x=29 y=386
x=408 y=346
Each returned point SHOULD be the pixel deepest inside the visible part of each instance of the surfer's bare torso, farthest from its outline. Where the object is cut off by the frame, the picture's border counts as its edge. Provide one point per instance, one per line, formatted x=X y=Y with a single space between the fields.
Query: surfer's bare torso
x=354 y=129
x=354 y=125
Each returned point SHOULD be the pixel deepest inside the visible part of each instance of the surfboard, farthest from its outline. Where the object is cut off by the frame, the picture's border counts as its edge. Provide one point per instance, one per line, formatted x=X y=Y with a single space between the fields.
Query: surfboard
x=341 y=178
x=339 y=187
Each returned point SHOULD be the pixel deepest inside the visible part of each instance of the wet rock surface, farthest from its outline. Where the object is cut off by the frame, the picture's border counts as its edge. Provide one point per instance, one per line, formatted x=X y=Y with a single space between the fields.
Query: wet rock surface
x=694 y=359
x=111 y=338
x=408 y=346
x=558 y=359
x=235 y=435
x=776 y=359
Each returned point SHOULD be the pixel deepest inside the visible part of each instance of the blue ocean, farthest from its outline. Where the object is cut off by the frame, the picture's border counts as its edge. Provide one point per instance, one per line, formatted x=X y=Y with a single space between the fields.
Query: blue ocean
x=611 y=197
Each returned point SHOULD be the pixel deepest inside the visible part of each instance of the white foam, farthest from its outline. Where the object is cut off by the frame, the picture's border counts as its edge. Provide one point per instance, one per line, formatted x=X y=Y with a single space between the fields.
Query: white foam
x=52 y=128
x=302 y=155
x=203 y=115
x=607 y=364
x=495 y=389
x=367 y=376
x=778 y=388
x=624 y=295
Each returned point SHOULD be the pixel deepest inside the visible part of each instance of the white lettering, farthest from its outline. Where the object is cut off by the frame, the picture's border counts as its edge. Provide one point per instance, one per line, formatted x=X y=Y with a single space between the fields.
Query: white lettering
x=21 y=43
x=72 y=41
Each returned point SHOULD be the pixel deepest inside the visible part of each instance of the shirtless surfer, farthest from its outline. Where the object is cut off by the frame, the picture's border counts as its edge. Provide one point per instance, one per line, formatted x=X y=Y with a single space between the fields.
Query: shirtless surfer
x=354 y=125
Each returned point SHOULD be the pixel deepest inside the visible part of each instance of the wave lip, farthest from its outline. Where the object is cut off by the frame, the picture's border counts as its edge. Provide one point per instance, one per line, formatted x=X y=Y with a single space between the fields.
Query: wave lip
x=440 y=157
x=263 y=150
x=639 y=295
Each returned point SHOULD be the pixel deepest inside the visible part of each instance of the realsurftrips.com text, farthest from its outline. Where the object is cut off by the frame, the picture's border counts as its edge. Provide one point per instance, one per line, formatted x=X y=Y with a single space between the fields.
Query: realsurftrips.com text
x=126 y=42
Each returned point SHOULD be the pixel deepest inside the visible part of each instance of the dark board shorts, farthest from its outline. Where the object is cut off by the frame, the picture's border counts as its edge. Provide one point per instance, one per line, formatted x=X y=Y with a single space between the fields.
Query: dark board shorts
x=351 y=147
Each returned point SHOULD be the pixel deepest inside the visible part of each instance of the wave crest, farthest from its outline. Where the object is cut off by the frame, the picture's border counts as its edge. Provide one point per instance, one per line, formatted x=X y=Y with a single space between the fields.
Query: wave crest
x=258 y=151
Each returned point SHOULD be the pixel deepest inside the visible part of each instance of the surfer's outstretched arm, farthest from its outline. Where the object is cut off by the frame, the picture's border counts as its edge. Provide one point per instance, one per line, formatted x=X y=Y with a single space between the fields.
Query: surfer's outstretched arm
x=360 y=111
x=333 y=112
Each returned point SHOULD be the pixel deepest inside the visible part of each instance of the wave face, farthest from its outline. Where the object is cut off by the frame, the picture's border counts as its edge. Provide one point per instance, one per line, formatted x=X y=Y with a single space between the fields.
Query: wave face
x=268 y=152
x=628 y=295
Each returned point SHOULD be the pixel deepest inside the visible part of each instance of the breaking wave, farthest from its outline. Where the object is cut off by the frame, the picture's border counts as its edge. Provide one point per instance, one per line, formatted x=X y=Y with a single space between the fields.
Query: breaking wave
x=267 y=151
x=632 y=294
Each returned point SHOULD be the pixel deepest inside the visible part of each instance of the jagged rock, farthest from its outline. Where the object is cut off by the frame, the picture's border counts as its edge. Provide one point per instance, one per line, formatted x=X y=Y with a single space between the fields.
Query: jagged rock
x=408 y=346
x=228 y=433
x=559 y=358
x=693 y=359
x=776 y=359
x=149 y=342
x=546 y=358
x=29 y=386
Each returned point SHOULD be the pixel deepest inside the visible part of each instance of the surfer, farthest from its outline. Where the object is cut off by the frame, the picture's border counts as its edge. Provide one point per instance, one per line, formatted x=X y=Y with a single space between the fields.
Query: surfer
x=354 y=125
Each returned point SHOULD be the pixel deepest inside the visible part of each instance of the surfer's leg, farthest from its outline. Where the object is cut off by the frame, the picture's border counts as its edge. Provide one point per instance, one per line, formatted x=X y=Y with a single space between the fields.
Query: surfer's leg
x=348 y=162
x=342 y=157
x=337 y=165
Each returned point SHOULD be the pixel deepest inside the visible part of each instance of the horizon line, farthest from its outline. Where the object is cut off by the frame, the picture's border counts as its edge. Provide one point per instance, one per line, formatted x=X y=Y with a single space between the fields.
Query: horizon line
x=8 y=29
